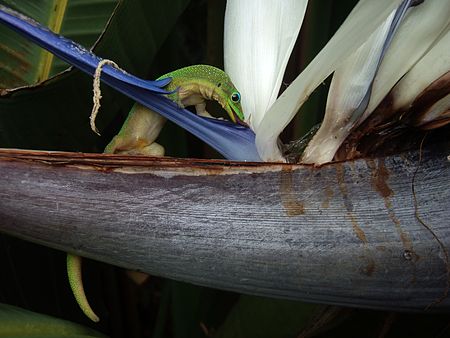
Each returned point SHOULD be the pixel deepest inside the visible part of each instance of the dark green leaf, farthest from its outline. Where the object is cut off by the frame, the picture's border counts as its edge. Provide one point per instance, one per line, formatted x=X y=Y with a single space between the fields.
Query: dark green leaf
x=55 y=115
x=22 y=62
x=16 y=322
x=266 y=318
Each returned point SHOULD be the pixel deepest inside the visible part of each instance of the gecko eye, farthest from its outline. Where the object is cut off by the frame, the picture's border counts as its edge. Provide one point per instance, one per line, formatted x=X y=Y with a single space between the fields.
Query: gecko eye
x=236 y=97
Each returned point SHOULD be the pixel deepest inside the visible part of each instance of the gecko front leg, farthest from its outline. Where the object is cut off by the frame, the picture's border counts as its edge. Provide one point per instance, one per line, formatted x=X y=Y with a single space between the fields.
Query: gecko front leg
x=200 y=109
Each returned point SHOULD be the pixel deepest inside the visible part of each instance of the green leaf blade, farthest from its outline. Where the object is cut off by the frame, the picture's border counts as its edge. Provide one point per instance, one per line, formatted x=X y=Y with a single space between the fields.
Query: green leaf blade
x=19 y=58
x=16 y=322
x=84 y=22
x=23 y=63
x=55 y=114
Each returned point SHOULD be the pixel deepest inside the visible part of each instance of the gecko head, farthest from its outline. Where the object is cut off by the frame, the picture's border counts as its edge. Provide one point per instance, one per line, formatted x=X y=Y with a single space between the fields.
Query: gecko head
x=230 y=100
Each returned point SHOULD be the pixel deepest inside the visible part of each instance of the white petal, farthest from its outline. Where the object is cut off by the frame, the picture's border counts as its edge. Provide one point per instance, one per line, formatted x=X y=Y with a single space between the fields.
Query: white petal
x=431 y=73
x=431 y=67
x=422 y=26
x=349 y=86
x=438 y=114
x=258 y=39
x=418 y=31
x=365 y=18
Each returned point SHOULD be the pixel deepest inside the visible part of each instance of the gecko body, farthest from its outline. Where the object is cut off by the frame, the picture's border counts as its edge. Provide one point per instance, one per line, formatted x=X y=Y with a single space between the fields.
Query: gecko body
x=190 y=86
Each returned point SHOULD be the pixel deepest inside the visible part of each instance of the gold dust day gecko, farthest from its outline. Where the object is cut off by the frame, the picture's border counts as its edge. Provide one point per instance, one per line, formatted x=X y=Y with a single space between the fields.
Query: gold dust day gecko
x=191 y=86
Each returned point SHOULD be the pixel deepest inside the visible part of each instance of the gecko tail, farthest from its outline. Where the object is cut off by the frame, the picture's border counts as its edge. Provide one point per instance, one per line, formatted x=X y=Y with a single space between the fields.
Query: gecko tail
x=76 y=284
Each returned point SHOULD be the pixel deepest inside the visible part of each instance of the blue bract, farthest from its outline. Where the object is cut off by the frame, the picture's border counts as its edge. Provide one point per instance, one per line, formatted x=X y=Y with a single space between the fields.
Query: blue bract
x=234 y=142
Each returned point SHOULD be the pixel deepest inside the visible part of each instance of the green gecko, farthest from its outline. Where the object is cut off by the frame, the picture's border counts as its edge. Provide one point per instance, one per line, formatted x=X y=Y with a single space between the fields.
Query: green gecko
x=192 y=86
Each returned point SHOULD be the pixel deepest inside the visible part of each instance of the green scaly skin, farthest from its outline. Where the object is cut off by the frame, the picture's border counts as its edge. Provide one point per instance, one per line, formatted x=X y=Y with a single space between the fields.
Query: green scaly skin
x=202 y=82
x=76 y=284
x=193 y=85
